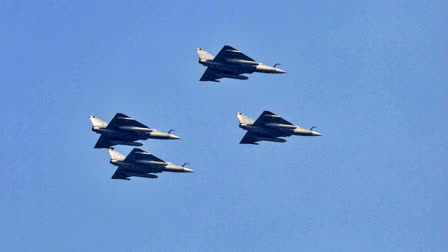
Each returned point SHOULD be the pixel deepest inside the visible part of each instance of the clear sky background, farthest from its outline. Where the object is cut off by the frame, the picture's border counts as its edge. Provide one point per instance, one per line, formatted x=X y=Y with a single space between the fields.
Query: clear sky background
x=372 y=75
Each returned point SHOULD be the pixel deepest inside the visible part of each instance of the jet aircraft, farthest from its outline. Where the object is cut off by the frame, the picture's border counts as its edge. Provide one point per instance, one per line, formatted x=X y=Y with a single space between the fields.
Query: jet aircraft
x=141 y=164
x=124 y=130
x=231 y=63
x=270 y=127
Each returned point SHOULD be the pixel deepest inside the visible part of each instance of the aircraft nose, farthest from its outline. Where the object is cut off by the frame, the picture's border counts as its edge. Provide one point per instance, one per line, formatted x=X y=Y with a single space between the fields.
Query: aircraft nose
x=188 y=170
x=174 y=137
x=279 y=70
x=316 y=133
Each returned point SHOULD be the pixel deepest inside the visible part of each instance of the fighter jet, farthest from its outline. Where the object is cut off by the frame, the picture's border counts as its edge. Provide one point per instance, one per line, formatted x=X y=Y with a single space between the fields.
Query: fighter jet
x=125 y=130
x=231 y=63
x=141 y=164
x=270 y=127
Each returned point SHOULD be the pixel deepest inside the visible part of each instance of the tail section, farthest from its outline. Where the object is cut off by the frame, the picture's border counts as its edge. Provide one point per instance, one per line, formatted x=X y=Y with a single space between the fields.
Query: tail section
x=96 y=122
x=115 y=155
x=203 y=55
x=244 y=119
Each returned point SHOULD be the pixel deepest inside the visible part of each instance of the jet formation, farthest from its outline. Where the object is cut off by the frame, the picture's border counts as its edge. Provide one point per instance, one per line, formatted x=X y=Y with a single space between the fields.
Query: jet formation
x=270 y=127
x=231 y=63
x=125 y=130
x=140 y=163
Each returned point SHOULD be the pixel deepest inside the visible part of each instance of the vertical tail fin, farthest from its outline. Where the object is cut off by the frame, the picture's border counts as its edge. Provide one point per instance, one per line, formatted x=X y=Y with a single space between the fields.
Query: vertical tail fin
x=96 y=122
x=244 y=119
x=115 y=155
x=203 y=55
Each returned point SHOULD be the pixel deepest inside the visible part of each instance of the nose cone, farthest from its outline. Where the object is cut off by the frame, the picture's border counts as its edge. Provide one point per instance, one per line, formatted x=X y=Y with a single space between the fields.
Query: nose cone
x=316 y=133
x=188 y=170
x=278 y=70
x=174 y=137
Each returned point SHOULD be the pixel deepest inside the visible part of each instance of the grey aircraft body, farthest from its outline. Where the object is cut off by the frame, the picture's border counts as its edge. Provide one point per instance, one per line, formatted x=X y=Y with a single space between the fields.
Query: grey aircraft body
x=124 y=130
x=270 y=127
x=141 y=164
x=231 y=63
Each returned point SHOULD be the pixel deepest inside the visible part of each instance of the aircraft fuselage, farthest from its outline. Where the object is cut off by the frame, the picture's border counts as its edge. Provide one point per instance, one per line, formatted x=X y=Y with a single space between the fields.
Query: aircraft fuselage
x=143 y=133
x=286 y=128
x=241 y=66
x=150 y=166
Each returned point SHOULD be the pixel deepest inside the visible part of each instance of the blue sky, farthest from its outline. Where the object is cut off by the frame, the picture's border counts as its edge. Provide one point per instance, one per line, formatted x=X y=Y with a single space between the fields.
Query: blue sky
x=370 y=74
